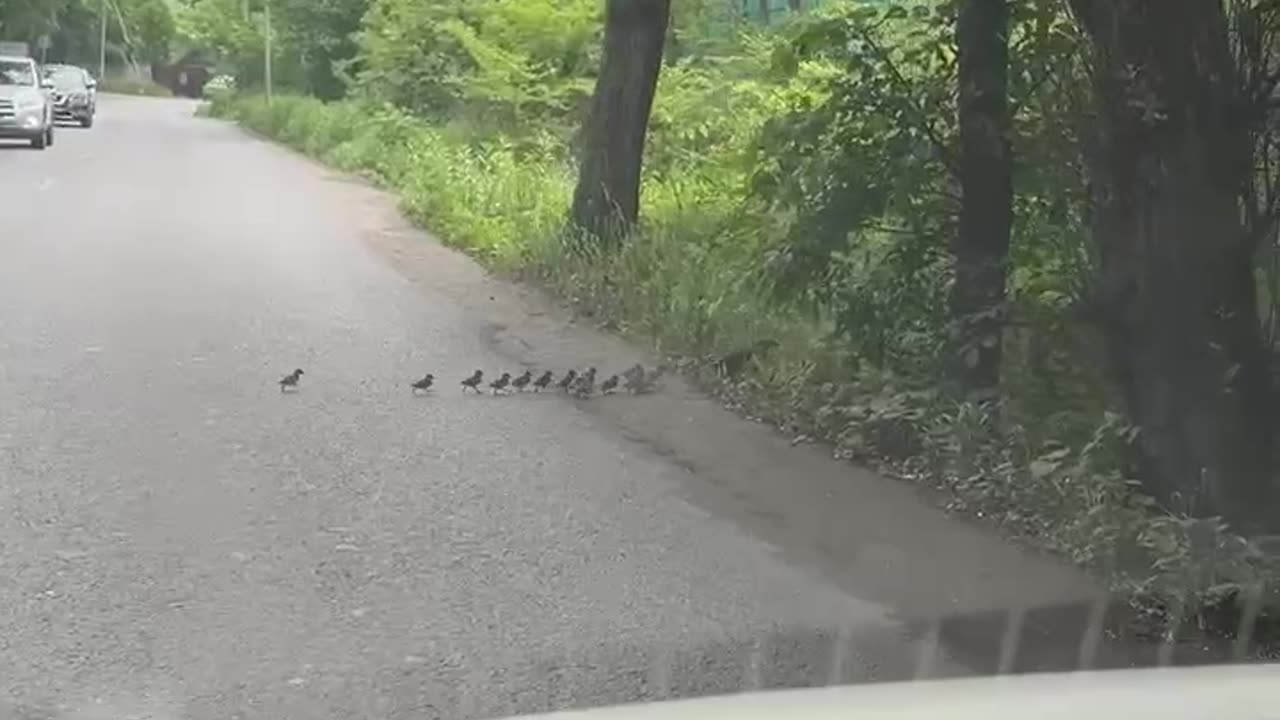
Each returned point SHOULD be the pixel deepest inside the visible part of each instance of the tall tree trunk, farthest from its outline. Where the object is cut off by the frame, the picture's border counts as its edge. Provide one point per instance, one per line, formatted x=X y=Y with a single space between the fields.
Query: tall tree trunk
x=1169 y=162
x=981 y=246
x=607 y=198
x=765 y=8
x=794 y=5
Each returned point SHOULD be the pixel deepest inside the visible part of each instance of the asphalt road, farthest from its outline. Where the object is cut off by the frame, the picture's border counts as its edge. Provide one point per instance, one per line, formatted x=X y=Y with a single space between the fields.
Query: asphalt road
x=178 y=539
x=181 y=540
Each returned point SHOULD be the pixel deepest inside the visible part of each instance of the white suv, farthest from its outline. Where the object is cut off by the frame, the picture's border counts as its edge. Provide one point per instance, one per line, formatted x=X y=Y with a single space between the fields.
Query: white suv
x=26 y=111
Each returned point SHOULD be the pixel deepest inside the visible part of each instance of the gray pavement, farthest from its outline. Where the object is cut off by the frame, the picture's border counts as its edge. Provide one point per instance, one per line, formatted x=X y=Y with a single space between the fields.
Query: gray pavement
x=179 y=540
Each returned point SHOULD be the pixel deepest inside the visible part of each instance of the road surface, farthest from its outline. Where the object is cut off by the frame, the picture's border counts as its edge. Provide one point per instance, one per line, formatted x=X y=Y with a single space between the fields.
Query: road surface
x=179 y=539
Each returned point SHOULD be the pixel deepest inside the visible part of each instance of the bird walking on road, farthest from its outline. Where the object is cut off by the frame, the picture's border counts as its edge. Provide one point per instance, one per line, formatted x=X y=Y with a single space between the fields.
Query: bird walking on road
x=290 y=382
x=473 y=382
x=501 y=383
x=543 y=381
x=523 y=381
x=634 y=378
x=609 y=385
x=586 y=384
x=646 y=382
x=424 y=384
x=566 y=382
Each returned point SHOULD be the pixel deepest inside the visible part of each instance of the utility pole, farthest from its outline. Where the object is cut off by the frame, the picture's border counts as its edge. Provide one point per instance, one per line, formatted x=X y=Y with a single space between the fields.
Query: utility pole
x=102 y=39
x=267 y=42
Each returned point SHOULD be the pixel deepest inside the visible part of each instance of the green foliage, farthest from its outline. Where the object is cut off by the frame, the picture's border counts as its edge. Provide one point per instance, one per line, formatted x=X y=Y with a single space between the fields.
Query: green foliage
x=141 y=31
x=860 y=166
x=709 y=112
x=312 y=41
x=149 y=28
x=506 y=62
x=28 y=20
x=320 y=34
x=861 y=163
x=224 y=29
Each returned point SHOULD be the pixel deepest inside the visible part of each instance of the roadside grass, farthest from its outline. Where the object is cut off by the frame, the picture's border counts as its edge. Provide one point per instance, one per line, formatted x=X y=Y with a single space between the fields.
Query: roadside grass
x=687 y=283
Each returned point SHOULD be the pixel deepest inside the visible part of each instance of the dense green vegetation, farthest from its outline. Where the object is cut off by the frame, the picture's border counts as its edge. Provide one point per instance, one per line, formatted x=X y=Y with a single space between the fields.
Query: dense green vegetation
x=1019 y=249
x=139 y=32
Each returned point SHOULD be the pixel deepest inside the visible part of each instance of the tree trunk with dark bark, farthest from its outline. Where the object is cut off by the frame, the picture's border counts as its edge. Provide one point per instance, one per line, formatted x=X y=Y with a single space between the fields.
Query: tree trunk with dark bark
x=607 y=199
x=981 y=246
x=1176 y=301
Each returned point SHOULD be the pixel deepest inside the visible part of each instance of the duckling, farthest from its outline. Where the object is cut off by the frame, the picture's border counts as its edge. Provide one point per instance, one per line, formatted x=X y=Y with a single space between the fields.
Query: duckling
x=566 y=382
x=634 y=377
x=501 y=383
x=523 y=381
x=609 y=385
x=543 y=381
x=424 y=384
x=473 y=382
x=585 y=384
x=290 y=382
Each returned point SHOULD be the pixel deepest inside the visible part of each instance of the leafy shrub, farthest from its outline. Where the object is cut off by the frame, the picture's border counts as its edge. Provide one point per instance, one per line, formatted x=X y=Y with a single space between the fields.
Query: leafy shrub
x=504 y=63
x=220 y=88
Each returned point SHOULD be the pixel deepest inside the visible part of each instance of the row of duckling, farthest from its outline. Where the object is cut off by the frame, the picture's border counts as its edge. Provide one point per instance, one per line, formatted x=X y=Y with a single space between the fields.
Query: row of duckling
x=635 y=380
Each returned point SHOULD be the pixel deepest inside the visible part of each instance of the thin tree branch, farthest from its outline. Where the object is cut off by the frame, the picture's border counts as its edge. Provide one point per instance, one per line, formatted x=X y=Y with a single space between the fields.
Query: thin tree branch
x=922 y=117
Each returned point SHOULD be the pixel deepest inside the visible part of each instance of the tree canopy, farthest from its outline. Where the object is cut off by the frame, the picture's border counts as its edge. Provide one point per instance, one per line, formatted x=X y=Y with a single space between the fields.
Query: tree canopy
x=141 y=31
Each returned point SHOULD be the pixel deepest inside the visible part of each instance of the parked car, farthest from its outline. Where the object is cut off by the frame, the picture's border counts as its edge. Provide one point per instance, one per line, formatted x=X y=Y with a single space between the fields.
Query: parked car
x=26 y=108
x=75 y=94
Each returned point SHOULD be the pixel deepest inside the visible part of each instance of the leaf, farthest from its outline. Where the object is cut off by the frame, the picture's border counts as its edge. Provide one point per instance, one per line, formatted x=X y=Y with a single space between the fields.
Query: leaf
x=895 y=12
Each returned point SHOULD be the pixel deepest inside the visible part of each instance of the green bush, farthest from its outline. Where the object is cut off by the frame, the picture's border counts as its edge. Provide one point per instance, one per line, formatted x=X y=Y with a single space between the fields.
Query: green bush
x=220 y=88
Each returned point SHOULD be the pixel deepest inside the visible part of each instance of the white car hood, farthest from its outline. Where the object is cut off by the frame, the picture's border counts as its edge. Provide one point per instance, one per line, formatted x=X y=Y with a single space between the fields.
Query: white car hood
x=1212 y=693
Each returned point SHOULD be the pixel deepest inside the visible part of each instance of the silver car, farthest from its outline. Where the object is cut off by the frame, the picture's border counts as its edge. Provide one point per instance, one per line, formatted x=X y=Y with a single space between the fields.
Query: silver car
x=75 y=97
x=26 y=111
